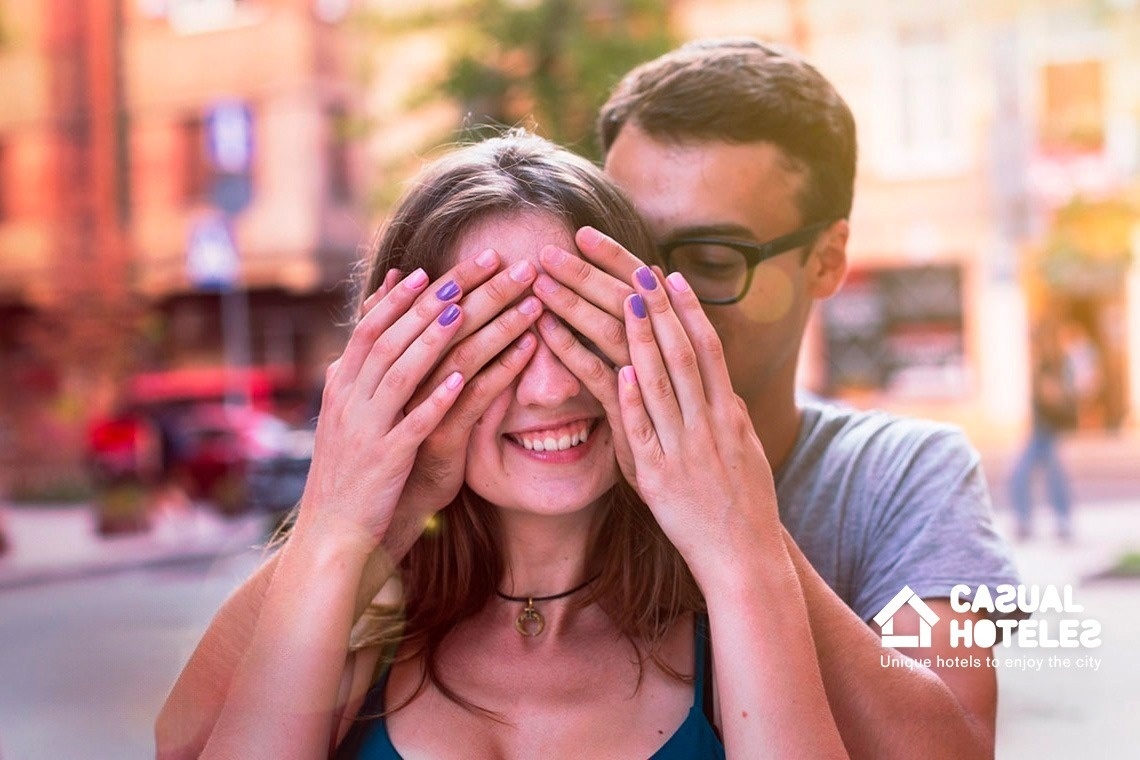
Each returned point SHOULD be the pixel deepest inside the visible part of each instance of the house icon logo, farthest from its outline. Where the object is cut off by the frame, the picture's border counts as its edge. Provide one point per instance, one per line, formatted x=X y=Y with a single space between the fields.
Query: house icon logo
x=885 y=620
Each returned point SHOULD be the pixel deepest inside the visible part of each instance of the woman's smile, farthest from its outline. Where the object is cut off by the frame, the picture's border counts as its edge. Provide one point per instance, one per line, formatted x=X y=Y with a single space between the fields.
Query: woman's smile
x=555 y=443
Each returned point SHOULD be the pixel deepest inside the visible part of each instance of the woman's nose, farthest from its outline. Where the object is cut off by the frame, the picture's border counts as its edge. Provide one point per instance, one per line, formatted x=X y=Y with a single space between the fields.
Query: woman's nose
x=545 y=381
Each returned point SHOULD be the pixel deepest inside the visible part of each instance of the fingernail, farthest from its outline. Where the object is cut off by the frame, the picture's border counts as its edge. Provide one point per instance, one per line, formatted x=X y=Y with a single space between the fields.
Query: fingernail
x=530 y=305
x=525 y=342
x=448 y=291
x=646 y=278
x=545 y=284
x=628 y=375
x=552 y=256
x=547 y=322
x=677 y=282
x=637 y=305
x=487 y=258
x=521 y=271
x=589 y=236
x=416 y=279
x=454 y=380
x=449 y=315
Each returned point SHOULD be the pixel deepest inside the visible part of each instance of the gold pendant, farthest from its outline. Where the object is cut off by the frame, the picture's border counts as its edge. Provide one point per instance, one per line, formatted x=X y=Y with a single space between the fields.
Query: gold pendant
x=530 y=621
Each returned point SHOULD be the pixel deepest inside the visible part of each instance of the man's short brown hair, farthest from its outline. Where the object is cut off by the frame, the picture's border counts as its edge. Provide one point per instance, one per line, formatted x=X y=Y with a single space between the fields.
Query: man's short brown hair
x=743 y=91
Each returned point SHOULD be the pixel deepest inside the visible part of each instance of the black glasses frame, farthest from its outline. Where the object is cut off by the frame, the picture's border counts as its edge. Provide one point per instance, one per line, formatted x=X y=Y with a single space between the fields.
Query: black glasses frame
x=753 y=253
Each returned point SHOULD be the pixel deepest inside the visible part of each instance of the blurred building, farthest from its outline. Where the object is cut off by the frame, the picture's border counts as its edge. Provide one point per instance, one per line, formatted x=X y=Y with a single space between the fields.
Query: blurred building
x=177 y=189
x=998 y=186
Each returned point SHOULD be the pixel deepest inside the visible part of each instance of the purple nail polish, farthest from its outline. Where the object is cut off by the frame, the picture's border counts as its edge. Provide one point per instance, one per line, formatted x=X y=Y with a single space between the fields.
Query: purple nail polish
x=637 y=304
x=447 y=291
x=449 y=315
x=646 y=278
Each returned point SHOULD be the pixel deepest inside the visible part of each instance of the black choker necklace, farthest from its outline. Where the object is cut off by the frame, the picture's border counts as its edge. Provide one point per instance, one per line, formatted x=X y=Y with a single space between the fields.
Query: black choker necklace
x=530 y=621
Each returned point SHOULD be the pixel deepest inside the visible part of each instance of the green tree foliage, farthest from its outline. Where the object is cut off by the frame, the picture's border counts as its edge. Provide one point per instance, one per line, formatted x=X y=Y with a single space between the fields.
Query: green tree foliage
x=547 y=64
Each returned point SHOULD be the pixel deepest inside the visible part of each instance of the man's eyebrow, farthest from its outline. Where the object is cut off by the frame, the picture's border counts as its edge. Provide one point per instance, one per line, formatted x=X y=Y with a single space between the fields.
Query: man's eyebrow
x=727 y=230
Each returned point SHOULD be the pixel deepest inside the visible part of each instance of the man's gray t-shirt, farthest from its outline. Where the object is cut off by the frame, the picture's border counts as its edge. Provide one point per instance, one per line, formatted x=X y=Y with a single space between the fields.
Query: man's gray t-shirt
x=877 y=502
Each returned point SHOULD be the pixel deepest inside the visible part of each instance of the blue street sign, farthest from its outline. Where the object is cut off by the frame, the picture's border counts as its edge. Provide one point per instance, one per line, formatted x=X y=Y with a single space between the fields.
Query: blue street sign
x=229 y=137
x=212 y=261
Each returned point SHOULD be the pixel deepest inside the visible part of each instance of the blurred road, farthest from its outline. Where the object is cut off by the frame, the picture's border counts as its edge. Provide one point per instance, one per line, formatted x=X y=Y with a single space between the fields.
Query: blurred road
x=93 y=631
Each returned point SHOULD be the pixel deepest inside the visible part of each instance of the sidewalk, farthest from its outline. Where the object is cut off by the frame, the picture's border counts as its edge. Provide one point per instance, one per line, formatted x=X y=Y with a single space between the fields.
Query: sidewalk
x=49 y=543
x=57 y=543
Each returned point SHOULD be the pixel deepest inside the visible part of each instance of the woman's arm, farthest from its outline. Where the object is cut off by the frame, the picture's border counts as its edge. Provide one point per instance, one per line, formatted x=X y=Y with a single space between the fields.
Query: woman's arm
x=193 y=706
x=702 y=470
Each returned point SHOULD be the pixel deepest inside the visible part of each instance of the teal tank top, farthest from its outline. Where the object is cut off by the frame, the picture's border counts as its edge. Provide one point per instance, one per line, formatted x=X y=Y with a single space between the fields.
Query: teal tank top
x=694 y=739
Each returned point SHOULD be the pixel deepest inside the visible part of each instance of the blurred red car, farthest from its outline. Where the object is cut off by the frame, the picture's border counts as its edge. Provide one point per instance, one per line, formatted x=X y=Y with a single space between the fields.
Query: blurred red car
x=218 y=449
x=221 y=445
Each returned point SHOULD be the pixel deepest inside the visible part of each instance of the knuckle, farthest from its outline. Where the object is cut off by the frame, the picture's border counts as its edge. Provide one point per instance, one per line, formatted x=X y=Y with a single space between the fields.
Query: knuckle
x=660 y=386
x=710 y=344
x=396 y=379
x=613 y=332
x=641 y=333
x=500 y=289
x=594 y=371
x=686 y=358
x=463 y=356
x=642 y=433
x=658 y=304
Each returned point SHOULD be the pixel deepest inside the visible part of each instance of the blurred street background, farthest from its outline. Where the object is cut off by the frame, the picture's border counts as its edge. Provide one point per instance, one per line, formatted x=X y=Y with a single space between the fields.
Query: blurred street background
x=185 y=186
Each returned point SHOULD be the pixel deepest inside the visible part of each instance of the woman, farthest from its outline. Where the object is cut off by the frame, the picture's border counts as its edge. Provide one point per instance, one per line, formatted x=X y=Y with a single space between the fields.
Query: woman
x=548 y=610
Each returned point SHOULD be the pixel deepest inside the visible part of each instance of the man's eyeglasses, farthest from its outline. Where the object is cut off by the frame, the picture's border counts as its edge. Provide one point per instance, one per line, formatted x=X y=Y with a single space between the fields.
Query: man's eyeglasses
x=719 y=270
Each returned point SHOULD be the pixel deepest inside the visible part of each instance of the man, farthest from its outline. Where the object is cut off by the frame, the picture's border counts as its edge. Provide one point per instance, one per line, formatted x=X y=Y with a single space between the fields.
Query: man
x=741 y=159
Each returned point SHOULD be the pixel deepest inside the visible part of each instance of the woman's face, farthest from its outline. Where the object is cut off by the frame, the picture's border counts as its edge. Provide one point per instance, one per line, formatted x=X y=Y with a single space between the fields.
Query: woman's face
x=544 y=445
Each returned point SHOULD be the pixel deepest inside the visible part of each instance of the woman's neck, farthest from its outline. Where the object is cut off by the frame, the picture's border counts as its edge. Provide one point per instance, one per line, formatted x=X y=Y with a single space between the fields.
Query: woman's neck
x=543 y=554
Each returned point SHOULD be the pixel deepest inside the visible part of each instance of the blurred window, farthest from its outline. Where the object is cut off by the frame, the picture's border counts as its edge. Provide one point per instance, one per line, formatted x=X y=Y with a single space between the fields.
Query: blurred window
x=898 y=331
x=340 y=186
x=927 y=125
x=196 y=169
x=1072 y=107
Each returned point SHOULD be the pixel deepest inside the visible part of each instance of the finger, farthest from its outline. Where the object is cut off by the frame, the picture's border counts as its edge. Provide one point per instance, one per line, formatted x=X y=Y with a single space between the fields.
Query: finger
x=388 y=346
x=469 y=355
x=394 y=340
x=596 y=285
x=705 y=341
x=676 y=350
x=606 y=253
x=373 y=324
x=390 y=279
x=484 y=388
x=639 y=428
x=419 y=423
x=408 y=371
x=656 y=389
x=599 y=377
x=496 y=294
x=603 y=331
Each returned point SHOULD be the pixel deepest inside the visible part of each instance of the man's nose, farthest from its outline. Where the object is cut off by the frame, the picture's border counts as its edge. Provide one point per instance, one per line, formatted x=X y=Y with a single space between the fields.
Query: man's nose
x=545 y=381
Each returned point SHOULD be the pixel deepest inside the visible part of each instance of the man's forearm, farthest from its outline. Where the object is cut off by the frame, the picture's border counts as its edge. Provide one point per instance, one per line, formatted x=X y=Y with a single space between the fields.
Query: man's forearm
x=895 y=712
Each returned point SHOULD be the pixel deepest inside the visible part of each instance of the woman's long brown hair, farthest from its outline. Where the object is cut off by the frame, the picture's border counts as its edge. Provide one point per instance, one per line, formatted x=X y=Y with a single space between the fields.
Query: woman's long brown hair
x=452 y=571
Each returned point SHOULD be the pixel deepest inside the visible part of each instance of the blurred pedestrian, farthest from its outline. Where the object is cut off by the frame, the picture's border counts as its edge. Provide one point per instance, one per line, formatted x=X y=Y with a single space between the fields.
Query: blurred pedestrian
x=1054 y=410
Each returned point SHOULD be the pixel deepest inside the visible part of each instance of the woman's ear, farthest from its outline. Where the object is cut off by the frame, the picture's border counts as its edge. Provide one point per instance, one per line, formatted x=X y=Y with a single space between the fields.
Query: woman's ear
x=827 y=264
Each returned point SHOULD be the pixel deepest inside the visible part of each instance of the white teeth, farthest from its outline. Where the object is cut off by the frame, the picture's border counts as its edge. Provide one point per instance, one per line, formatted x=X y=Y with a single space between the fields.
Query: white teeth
x=565 y=441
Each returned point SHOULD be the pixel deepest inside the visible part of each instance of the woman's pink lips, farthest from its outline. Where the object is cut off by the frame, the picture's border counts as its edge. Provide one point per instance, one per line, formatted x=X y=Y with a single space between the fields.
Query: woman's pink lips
x=563 y=456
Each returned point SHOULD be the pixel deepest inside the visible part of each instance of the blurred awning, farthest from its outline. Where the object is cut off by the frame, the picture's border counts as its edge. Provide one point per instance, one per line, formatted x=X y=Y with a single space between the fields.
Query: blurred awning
x=1088 y=247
